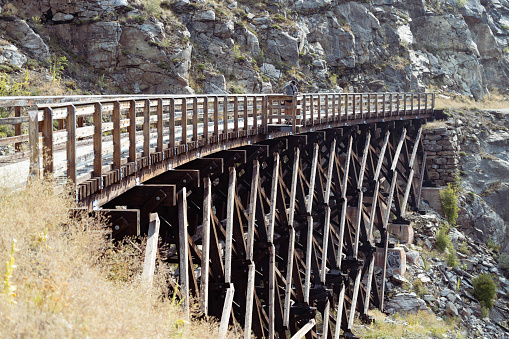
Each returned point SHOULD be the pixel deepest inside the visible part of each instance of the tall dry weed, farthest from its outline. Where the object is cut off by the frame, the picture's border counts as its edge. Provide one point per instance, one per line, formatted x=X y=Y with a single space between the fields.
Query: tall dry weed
x=65 y=283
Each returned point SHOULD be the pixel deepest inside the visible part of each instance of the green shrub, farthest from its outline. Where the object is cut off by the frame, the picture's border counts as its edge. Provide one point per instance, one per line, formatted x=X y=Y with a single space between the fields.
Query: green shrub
x=201 y=67
x=484 y=290
x=452 y=259
x=503 y=262
x=442 y=239
x=492 y=246
x=449 y=200
x=463 y=154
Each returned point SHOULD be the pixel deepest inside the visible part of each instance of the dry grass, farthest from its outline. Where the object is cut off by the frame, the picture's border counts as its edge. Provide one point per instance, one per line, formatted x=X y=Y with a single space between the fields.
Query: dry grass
x=495 y=101
x=423 y=324
x=66 y=283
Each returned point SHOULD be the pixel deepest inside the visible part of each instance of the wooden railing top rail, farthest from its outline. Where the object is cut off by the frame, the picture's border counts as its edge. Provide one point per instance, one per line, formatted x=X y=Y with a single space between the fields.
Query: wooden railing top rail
x=99 y=141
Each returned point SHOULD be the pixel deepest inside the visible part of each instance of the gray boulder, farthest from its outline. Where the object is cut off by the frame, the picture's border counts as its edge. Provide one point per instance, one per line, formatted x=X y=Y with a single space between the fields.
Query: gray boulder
x=405 y=302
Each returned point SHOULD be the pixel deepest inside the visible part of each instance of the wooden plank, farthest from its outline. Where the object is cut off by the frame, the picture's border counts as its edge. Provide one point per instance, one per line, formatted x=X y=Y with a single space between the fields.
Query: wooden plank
x=252 y=210
x=344 y=206
x=381 y=155
x=11 y=140
x=421 y=178
x=71 y=144
x=273 y=196
x=207 y=206
x=368 y=283
x=117 y=151
x=339 y=311
x=138 y=196
x=355 y=294
x=18 y=119
x=149 y=265
x=272 y=281
x=326 y=224
x=384 y=226
x=326 y=319
x=304 y=330
x=291 y=244
x=249 y=300
x=229 y=225
x=189 y=178
x=398 y=150
x=183 y=250
x=227 y=310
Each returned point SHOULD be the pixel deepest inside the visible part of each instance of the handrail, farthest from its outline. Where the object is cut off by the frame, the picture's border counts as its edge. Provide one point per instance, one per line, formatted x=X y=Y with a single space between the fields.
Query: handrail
x=119 y=135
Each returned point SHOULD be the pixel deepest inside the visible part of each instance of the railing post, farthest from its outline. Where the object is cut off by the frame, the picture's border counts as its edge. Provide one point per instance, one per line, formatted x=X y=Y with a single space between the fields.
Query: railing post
x=311 y=110
x=246 y=116
x=346 y=105
x=419 y=103
x=146 y=129
x=304 y=117
x=195 y=121
x=390 y=104
x=117 y=152
x=264 y=114
x=159 y=125
x=334 y=107
x=397 y=103
x=433 y=102
x=47 y=134
x=225 y=117
x=206 y=120
x=327 y=108
x=425 y=102
x=132 y=131
x=17 y=127
x=294 y=114
x=33 y=134
x=255 y=116
x=183 y=122
x=412 y=103
x=98 y=159
x=236 y=116
x=171 y=141
x=339 y=107
x=71 y=143
x=216 y=119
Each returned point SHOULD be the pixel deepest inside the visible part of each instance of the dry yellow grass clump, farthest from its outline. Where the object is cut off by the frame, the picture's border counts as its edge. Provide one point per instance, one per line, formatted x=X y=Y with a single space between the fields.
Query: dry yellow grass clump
x=64 y=279
x=495 y=101
x=424 y=324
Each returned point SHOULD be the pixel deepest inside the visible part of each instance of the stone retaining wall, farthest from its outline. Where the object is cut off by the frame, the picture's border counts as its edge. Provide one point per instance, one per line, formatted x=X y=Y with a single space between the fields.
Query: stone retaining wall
x=442 y=149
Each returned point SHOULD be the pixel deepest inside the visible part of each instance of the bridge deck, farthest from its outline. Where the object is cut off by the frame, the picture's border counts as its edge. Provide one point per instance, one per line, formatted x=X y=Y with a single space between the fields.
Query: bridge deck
x=108 y=145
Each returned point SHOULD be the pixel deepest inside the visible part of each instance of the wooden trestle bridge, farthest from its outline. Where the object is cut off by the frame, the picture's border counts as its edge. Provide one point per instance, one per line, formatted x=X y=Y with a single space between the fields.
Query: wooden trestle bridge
x=273 y=213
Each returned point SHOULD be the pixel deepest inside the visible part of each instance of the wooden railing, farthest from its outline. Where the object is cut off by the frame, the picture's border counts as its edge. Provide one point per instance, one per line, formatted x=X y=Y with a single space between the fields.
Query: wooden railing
x=111 y=138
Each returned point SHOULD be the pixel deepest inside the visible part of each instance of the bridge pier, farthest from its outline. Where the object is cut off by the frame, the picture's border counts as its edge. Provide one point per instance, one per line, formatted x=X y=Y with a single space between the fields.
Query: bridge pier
x=296 y=230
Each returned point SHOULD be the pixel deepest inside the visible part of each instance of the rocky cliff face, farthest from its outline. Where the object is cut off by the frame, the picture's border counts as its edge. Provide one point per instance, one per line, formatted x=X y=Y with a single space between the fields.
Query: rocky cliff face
x=184 y=46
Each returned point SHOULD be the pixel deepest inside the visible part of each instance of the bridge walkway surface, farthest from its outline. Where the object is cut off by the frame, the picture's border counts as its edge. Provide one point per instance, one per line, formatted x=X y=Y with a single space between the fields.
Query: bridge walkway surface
x=286 y=201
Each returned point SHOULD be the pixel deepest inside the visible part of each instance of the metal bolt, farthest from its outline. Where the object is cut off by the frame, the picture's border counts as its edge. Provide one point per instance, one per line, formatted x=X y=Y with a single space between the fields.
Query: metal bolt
x=117 y=227
x=184 y=181
x=158 y=198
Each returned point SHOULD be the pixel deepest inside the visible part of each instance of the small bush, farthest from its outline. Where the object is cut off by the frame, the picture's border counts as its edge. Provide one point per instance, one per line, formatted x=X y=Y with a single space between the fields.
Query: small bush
x=452 y=259
x=463 y=154
x=449 y=200
x=503 y=262
x=442 y=239
x=484 y=290
x=463 y=248
x=492 y=246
